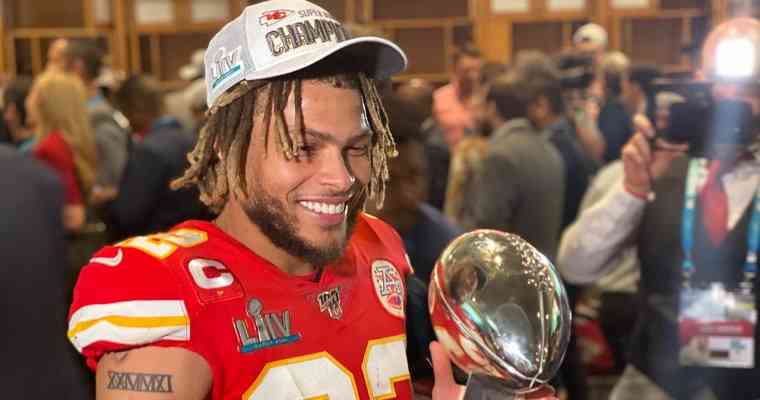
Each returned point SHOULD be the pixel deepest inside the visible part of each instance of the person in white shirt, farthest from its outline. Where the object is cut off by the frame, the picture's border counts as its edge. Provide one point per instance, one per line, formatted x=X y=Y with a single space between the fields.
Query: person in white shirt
x=662 y=207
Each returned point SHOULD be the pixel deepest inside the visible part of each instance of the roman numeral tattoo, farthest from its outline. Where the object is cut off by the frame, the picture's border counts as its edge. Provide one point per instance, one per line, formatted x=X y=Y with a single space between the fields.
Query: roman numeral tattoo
x=139 y=382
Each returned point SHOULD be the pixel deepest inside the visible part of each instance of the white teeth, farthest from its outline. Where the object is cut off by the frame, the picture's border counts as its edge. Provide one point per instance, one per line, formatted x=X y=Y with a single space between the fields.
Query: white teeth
x=324 y=208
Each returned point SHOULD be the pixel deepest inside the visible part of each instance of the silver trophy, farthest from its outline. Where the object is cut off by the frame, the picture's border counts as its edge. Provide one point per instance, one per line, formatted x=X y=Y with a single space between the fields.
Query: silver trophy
x=499 y=309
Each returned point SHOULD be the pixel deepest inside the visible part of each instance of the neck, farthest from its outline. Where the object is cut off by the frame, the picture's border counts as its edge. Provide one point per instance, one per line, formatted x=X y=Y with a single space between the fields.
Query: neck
x=234 y=222
x=464 y=92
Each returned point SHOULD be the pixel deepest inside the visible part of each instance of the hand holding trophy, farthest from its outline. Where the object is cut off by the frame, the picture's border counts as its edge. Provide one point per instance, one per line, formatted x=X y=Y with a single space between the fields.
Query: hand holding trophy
x=500 y=311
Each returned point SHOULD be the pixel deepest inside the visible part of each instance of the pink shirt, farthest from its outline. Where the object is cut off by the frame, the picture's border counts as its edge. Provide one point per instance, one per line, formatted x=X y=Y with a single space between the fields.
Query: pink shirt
x=452 y=115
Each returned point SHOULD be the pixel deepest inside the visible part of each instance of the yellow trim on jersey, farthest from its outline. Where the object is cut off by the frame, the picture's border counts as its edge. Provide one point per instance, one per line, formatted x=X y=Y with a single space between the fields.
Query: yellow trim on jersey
x=131 y=322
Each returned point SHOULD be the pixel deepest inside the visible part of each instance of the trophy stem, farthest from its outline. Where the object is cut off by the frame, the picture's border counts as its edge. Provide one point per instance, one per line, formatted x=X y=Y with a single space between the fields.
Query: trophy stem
x=485 y=387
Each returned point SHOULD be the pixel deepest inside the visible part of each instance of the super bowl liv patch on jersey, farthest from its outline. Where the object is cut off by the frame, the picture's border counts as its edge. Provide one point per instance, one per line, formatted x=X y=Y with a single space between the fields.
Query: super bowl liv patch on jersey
x=262 y=329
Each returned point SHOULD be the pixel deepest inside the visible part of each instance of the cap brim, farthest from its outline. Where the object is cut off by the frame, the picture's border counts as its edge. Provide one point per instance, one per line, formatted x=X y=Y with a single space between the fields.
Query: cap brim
x=378 y=58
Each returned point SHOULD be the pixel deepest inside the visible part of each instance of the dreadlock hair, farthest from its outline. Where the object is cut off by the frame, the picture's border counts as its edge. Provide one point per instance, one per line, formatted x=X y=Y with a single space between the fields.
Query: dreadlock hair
x=218 y=161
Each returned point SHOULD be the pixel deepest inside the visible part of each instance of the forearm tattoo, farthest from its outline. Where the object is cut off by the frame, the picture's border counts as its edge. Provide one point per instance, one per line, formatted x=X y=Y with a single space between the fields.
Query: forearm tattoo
x=139 y=382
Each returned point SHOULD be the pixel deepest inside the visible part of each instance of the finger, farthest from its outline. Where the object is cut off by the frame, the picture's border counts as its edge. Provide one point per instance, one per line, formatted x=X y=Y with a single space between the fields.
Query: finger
x=441 y=365
x=664 y=145
x=642 y=147
x=642 y=124
x=630 y=155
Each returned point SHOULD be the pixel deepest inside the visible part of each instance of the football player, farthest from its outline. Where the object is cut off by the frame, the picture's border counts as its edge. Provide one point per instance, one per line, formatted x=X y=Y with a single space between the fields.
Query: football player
x=292 y=292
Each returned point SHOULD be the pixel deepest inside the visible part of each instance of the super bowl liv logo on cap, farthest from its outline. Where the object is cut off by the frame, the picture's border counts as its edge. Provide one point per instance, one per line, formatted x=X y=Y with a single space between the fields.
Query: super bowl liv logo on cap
x=225 y=66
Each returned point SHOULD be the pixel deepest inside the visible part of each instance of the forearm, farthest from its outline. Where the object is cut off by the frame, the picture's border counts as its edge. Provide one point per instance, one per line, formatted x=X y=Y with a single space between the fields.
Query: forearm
x=599 y=234
x=591 y=139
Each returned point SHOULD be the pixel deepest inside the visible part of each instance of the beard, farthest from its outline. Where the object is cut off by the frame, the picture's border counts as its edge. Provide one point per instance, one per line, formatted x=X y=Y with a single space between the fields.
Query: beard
x=281 y=227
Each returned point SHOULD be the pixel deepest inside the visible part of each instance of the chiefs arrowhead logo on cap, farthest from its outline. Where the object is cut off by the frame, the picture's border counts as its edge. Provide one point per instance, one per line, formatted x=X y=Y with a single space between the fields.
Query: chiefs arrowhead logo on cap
x=271 y=17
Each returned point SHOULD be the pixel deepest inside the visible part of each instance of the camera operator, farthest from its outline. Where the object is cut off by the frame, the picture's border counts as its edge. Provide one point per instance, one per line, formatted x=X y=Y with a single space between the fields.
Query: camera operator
x=695 y=221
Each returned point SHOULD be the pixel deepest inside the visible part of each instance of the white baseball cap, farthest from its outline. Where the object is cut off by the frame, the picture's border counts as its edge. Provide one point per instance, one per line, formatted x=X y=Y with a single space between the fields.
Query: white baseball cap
x=277 y=37
x=591 y=33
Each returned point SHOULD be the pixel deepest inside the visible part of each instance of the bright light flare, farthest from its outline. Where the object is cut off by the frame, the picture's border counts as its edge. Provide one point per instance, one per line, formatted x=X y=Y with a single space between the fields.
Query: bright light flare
x=735 y=58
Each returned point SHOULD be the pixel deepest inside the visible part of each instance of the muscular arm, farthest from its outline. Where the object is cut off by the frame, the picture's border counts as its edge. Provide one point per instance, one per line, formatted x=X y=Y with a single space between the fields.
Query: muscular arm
x=153 y=373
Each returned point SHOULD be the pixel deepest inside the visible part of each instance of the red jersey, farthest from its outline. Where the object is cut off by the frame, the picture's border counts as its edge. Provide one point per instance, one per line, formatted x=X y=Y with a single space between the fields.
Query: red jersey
x=56 y=153
x=264 y=333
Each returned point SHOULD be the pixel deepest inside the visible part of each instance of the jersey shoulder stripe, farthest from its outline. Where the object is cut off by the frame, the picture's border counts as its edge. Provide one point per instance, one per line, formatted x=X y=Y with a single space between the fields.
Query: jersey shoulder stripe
x=131 y=323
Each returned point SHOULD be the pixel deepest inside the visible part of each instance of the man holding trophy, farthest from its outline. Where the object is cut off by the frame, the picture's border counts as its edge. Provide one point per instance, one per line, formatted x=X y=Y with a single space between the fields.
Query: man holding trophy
x=293 y=292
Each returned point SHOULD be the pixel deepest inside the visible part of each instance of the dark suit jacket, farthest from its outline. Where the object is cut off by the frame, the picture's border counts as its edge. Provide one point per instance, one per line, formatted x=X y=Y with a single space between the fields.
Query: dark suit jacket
x=521 y=187
x=38 y=362
x=146 y=203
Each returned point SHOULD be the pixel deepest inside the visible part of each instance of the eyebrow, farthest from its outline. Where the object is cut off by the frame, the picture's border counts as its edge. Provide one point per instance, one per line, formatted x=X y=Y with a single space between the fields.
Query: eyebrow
x=326 y=137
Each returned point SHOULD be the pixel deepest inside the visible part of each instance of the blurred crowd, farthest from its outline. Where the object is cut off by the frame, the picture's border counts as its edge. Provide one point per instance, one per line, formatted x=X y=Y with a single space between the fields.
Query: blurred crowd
x=523 y=148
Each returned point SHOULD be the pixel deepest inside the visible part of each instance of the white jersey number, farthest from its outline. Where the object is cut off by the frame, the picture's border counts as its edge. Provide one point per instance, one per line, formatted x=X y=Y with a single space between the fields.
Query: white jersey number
x=320 y=376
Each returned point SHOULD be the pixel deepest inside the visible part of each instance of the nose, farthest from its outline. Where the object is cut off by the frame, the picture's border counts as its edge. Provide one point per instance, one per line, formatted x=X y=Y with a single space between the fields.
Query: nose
x=334 y=172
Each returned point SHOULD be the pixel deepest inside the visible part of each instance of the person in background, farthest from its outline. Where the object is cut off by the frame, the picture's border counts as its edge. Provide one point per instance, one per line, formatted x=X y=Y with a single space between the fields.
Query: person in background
x=467 y=158
x=418 y=94
x=14 y=114
x=453 y=103
x=691 y=218
x=84 y=59
x=178 y=102
x=614 y=118
x=577 y=71
x=56 y=55
x=424 y=229
x=591 y=39
x=548 y=114
x=613 y=288
x=145 y=202
x=57 y=111
x=37 y=362
x=521 y=185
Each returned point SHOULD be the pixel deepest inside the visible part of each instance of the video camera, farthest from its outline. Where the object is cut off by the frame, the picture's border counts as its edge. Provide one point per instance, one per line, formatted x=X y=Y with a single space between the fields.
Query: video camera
x=576 y=71
x=703 y=122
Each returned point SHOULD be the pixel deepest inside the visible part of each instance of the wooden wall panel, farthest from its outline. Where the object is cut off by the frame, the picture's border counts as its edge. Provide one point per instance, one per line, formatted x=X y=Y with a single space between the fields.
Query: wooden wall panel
x=336 y=7
x=23 y=50
x=401 y=9
x=180 y=47
x=47 y=13
x=425 y=46
x=644 y=33
x=544 y=36
x=145 y=57
x=684 y=4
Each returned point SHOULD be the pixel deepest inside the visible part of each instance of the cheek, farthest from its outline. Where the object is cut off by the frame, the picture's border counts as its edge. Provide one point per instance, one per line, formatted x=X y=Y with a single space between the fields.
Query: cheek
x=360 y=168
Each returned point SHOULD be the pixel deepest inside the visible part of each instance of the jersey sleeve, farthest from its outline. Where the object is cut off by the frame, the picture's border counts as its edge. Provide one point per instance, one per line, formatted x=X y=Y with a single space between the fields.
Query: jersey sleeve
x=124 y=299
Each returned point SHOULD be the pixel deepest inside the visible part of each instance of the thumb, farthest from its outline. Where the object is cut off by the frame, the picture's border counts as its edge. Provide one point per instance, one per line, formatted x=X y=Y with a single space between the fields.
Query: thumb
x=441 y=365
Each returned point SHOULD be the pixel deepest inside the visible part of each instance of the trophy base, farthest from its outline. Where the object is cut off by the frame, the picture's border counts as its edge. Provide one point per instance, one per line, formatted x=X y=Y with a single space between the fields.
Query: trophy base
x=486 y=387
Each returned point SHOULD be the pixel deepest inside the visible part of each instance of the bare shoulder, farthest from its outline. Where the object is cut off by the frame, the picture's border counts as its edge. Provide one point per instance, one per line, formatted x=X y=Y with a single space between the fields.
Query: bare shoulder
x=153 y=373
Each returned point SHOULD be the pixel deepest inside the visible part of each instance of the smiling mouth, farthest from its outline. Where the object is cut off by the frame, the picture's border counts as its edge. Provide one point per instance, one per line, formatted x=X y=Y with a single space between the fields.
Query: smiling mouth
x=324 y=208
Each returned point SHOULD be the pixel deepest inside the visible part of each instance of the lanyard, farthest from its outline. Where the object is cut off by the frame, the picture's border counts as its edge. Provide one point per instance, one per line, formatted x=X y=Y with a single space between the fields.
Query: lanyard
x=697 y=170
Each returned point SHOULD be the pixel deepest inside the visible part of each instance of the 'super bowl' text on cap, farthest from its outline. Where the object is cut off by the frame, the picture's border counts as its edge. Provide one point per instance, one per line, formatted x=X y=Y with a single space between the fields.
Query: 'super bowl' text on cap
x=278 y=37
